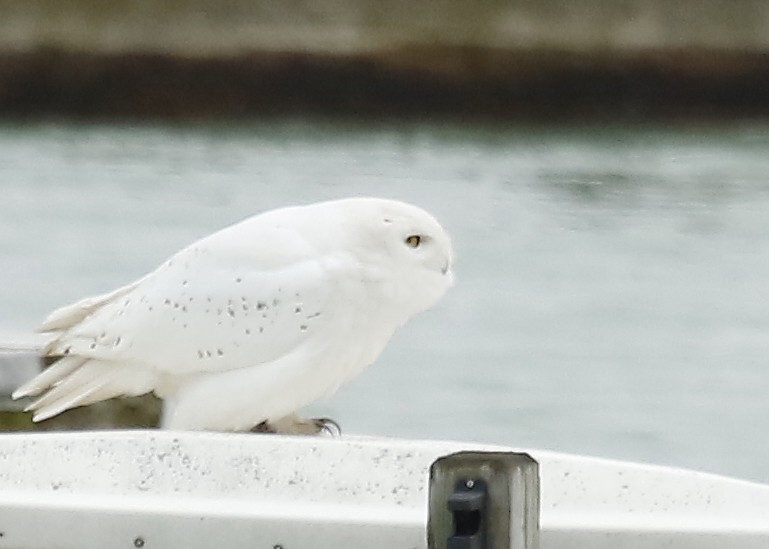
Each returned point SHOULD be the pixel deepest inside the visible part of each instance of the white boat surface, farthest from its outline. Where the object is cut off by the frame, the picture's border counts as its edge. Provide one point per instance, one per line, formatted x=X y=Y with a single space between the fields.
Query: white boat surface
x=165 y=489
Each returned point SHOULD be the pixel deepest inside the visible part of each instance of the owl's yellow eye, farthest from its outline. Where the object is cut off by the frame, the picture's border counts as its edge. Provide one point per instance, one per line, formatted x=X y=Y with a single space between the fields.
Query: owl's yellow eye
x=414 y=240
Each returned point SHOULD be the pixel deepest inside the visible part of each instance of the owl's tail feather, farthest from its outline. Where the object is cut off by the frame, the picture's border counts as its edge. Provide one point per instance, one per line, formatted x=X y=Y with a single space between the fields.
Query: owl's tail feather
x=82 y=384
x=49 y=377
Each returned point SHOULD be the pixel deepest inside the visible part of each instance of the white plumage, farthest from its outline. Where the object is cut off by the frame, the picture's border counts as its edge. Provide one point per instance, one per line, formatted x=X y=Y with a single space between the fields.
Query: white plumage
x=253 y=322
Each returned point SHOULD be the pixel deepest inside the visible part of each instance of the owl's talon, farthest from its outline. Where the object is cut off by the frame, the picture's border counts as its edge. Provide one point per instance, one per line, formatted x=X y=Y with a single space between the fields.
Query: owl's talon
x=328 y=426
x=263 y=427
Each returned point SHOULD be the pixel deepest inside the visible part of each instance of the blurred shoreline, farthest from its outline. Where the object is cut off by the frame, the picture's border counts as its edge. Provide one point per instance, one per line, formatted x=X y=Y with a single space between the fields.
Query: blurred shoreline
x=534 y=60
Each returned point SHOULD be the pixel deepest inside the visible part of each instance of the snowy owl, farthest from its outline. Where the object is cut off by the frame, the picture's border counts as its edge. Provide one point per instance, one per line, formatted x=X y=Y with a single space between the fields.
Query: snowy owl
x=247 y=325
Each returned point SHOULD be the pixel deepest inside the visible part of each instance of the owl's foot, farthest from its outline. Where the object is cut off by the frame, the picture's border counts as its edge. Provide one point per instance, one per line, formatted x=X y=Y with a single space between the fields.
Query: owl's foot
x=327 y=426
x=263 y=427
x=295 y=425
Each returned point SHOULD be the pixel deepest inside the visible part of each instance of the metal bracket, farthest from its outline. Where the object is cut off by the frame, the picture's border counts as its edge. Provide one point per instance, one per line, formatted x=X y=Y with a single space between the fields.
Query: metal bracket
x=484 y=500
x=468 y=506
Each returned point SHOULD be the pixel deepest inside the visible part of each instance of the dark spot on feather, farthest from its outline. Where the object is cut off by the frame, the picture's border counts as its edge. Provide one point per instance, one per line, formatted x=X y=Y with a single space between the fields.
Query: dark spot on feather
x=260 y=305
x=238 y=280
x=220 y=352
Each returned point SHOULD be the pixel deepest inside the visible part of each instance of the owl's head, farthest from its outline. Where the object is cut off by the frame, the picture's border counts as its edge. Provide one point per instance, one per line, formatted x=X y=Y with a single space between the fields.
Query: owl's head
x=407 y=252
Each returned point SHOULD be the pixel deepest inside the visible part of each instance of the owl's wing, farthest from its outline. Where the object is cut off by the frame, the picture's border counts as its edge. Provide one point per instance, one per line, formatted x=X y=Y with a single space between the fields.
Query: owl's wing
x=207 y=318
x=199 y=312
x=69 y=315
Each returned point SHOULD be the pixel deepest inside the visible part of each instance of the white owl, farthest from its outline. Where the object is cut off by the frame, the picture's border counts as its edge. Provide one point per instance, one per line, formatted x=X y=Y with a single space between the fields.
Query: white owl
x=253 y=322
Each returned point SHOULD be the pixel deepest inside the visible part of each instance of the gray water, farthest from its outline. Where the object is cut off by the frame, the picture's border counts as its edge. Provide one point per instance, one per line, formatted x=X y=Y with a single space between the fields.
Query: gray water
x=611 y=293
